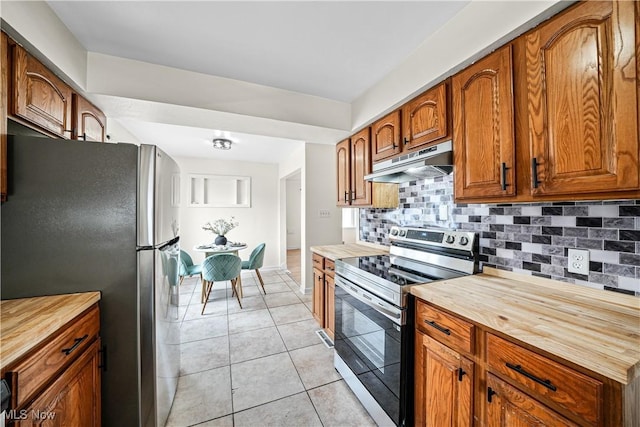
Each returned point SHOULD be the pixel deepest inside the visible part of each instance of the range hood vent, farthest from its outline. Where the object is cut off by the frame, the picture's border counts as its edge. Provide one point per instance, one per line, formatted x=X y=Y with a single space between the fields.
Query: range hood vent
x=430 y=162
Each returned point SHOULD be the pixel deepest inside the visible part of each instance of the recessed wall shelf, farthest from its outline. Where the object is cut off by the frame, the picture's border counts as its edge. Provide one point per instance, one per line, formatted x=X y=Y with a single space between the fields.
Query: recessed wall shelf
x=219 y=191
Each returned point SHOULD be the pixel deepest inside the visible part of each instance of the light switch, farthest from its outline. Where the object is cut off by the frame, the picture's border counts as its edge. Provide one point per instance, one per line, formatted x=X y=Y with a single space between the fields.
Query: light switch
x=578 y=261
x=325 y=213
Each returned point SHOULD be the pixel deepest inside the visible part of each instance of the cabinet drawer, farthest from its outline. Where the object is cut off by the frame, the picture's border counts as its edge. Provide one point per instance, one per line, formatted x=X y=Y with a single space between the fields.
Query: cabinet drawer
x=318 y=261
x=329 y=267
x=450 y=330
x=537 y=374
x=32 y=373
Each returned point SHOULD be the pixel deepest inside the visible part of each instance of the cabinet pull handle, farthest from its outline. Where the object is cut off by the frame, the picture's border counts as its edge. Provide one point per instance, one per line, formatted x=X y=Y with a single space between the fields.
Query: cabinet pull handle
x=520 y=370
x=504 y=176
x=345 y=196
x=534 y=173
x=77 y=341
x=461 y=373
x=103 y=359
x=353 y=196
x=406 y=141
x=490 y=393
x=438 y=327
x=395 y=145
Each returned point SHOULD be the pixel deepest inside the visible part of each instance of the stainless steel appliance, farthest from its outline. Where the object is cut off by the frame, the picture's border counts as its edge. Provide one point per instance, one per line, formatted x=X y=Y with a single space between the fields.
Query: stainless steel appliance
x=373 y=314
x=435 y=160
x=84 y=216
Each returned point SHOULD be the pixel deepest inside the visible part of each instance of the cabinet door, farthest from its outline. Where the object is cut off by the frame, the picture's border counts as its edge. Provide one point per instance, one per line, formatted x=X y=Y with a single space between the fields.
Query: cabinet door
x=330 y=306
x=4 y=96
x=582 y=88
x=318 y=296
x=71 y=400
x=343 y=156
x=443 y=385
x=360 y=166
x=483 y=128
x=90 y=122
x=507 y=406
x=385 y=137
x=40 y=97
x=424 y=118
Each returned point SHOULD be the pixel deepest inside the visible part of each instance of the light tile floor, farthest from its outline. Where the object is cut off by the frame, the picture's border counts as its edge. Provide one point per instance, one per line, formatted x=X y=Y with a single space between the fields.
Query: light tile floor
x=262 y=365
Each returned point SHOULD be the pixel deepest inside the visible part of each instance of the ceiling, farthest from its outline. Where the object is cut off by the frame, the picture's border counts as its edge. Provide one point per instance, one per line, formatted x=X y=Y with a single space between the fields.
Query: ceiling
x=329 y=49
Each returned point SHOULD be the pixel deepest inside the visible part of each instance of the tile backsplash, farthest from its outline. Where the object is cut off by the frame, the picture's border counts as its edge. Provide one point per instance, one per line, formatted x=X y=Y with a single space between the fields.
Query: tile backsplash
x=529 y=238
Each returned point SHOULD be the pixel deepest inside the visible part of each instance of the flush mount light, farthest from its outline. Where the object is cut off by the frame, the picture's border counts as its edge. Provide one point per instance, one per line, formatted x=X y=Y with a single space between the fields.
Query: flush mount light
x=222 y=143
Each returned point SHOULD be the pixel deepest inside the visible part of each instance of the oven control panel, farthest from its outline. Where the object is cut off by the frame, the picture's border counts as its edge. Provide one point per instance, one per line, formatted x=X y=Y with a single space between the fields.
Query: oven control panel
x=451 y=239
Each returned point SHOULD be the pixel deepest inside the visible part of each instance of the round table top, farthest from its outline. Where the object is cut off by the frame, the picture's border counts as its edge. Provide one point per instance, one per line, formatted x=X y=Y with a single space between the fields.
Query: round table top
x=220 y=249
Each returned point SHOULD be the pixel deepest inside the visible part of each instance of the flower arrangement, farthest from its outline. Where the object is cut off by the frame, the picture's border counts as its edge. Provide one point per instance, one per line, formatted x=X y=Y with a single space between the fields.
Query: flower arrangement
x=221 y=226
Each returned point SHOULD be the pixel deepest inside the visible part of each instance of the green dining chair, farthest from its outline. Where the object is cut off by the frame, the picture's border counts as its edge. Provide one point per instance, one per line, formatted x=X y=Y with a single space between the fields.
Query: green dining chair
x=255 y=262
x=219 y=268
x=188 y=268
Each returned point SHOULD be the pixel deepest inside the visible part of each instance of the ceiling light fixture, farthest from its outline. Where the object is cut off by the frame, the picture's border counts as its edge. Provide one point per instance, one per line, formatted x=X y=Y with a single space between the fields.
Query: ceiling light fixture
x=222 y=143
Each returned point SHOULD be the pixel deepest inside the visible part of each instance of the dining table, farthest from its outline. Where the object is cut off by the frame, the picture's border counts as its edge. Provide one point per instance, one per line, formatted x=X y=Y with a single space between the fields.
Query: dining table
x=213 y=249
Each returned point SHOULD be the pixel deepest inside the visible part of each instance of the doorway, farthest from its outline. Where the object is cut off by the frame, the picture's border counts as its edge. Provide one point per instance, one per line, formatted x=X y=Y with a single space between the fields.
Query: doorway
x=294 y=225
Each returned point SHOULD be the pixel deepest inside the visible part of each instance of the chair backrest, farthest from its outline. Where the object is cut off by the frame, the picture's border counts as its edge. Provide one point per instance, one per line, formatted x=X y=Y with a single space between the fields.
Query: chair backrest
x=257 y=257
x=185 y=263
x=220 y=267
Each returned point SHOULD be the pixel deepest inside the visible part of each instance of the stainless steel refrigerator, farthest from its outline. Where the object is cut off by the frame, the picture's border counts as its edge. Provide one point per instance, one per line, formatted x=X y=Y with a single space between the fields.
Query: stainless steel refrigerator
x=85 y=216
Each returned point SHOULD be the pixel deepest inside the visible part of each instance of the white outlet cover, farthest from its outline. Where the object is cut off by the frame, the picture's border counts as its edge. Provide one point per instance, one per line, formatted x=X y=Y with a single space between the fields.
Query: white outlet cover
x=578 y=261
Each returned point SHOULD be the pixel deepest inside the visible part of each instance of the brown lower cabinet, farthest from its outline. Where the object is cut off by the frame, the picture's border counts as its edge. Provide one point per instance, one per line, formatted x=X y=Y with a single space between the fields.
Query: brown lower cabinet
x=58 y=383
x=443 y=385
x=466 y=374
x=323 y=293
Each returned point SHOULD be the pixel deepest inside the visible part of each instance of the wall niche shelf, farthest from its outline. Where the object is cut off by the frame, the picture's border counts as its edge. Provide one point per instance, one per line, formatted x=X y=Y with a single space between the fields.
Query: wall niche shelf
x=219 y=191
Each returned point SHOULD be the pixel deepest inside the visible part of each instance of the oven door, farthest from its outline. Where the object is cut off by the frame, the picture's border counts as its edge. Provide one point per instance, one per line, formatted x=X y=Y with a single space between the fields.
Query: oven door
x=371 y=338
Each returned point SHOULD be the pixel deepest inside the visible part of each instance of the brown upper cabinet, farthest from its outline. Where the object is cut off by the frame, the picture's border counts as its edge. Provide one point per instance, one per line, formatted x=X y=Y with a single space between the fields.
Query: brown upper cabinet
x=90 y=122
x=483 y=128
x=424 y=118
x=582 y=100
x=386 y=137
x=39 y=96
x=354 y=162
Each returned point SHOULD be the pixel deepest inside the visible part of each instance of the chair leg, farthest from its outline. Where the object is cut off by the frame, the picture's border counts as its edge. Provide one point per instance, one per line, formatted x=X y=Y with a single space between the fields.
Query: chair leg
x=204 y=289
x=261 y=281
x=209 y=287
x=234 y=283
x=181 y=279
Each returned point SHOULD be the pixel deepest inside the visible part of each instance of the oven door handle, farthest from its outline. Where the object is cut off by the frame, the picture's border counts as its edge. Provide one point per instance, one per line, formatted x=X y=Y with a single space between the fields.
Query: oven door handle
x=395 y=315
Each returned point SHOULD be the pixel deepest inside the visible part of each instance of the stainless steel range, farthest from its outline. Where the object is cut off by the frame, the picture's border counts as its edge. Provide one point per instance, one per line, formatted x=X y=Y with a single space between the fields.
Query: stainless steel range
x=374 y=330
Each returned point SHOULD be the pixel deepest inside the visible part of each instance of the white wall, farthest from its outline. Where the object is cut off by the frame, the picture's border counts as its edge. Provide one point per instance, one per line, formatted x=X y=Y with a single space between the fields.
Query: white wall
x=319 y=182
x=258 y=224
x=293 y=211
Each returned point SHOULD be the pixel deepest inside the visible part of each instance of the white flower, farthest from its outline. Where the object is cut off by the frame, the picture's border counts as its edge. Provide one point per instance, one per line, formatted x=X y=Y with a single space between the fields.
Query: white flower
x=220 y=226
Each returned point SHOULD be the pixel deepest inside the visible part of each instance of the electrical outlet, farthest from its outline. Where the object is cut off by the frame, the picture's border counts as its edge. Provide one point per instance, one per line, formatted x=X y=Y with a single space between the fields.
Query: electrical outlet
x=579 y=261
x=325 y=213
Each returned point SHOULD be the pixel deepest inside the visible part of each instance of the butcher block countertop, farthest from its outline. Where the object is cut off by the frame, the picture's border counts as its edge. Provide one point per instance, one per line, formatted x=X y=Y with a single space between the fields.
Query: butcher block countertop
x=598 y=330
x=348 y=250
x=26 y=322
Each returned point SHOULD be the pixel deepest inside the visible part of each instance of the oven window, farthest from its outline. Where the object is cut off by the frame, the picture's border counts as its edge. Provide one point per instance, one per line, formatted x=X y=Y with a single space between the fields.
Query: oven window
x=369 y=343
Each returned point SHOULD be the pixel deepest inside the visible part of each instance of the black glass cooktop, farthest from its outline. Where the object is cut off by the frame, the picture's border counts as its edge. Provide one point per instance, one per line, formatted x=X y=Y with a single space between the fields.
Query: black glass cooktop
x=381 y=266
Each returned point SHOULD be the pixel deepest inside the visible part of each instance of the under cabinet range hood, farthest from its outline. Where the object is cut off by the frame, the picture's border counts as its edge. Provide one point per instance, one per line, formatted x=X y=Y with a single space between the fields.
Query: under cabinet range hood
x=436 y=160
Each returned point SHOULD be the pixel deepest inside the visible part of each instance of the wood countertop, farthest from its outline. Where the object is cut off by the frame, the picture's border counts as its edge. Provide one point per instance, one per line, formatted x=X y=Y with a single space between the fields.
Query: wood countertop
x=348 y=250
x=598 y=330
x=26 y=322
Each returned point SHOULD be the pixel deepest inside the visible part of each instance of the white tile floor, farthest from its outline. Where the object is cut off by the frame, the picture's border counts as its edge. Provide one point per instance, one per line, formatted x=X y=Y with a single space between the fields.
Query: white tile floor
x=262 y=365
